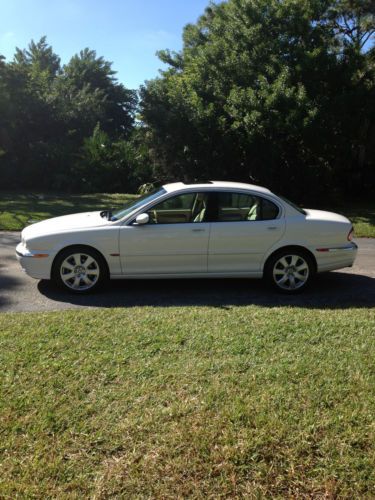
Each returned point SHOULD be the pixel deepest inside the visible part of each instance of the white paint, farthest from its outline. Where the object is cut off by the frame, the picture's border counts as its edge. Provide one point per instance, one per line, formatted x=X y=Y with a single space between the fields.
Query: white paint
x=212 y=249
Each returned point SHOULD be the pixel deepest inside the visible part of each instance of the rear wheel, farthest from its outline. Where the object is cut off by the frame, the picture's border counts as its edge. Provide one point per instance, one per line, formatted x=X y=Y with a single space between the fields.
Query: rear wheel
x=79 y=270
x=290 y=271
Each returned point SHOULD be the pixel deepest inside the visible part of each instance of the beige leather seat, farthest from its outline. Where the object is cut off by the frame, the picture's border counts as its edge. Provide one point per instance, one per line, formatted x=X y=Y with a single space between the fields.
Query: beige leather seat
x=200 y=216
x=254 y=212
x=199 y=209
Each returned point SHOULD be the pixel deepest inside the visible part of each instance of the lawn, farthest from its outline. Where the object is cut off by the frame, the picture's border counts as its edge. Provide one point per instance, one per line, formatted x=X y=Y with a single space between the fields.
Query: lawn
x=18 y=210
x=363 y=218
x=198 y=402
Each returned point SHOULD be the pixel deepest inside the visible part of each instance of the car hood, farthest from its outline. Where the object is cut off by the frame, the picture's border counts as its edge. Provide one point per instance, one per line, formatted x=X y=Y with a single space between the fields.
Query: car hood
x=322 y=215
x=64 y=223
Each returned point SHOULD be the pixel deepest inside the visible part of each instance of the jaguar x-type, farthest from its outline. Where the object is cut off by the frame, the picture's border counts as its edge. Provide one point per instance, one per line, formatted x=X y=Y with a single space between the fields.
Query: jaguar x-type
x=212 y=229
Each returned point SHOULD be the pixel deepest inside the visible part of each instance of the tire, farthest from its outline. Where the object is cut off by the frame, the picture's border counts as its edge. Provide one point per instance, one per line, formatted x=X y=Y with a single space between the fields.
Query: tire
x=79 y=270
x=290 y=271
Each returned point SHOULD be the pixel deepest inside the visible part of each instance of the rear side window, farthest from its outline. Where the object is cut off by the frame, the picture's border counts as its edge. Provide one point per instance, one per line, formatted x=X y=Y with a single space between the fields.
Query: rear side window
x=235 y=207
x=268 y=210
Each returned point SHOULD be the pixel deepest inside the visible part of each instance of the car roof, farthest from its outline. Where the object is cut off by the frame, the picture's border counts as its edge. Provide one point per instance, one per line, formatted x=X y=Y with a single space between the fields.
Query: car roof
x=211 y=185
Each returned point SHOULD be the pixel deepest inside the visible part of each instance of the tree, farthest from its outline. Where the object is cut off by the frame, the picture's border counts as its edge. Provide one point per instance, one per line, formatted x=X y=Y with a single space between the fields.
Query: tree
x=28 y=120
x=353 y=22
x=48 y=111
x=89 y=80
x=110 y=165
x=258 y=93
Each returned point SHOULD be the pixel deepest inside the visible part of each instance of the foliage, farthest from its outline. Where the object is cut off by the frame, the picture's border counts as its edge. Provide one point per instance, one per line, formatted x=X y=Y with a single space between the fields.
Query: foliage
x=353 y=22
x=48 y=113
x=112 y=165
x=275 y=92
x=268 y=91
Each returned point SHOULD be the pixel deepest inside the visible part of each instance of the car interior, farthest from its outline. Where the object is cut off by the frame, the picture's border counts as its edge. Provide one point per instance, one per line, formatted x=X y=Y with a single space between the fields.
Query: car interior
x=214 y=207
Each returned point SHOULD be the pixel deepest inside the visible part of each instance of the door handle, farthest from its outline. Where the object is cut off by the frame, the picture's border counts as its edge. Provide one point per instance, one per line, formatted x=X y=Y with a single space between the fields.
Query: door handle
x=198 y=230
x=272 y=228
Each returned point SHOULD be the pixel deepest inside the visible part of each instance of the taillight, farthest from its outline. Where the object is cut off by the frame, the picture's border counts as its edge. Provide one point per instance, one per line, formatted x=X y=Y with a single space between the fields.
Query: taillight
x=351 y=234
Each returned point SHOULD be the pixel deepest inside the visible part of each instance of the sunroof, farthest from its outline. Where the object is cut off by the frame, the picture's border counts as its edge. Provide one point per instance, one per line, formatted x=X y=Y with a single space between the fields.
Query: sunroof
x=197 y=182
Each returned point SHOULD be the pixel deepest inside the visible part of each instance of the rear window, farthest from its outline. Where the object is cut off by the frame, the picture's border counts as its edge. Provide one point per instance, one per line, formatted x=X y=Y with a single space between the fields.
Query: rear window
x=234 y=207
x=296 y=207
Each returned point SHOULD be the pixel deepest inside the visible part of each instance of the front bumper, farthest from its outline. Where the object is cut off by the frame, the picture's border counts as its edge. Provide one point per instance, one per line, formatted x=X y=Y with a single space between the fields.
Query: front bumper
x=35 y=263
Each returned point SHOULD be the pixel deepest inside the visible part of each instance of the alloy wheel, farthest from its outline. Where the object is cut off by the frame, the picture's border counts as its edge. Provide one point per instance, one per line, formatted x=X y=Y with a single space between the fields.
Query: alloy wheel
x=79 y=271
x=291 y=272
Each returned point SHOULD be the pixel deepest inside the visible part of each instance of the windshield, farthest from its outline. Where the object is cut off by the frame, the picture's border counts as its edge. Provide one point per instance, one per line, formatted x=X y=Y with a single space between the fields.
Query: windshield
x=296 y=207
x=138 y=202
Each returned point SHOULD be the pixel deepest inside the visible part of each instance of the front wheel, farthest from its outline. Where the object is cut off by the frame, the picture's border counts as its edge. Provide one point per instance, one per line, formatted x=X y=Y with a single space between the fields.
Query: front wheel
x=290 y=271
x=79 y=270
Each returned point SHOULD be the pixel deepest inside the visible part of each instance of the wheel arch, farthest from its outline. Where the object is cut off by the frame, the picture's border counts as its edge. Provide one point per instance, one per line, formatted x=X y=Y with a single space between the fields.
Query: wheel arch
x=82 y=247
x=291 y=248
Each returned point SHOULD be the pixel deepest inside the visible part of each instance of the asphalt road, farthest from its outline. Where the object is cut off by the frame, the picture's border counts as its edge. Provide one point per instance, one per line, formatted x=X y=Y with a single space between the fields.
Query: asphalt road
x=350 y=287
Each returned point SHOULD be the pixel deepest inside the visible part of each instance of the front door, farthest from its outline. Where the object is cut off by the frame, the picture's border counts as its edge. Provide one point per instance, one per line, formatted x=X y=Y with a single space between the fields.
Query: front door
x=175 y=241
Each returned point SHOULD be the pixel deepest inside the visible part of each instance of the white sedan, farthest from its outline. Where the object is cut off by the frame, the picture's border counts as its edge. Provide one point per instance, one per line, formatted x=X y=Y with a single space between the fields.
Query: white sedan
x=212 y=229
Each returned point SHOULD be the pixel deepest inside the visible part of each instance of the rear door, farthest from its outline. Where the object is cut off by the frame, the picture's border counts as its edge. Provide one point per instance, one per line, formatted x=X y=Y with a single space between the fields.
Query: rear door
x=244 y=228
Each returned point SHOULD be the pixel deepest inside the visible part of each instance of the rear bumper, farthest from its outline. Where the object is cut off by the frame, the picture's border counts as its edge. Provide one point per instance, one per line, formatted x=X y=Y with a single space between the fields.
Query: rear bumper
x=36 y=264
x=329 y=259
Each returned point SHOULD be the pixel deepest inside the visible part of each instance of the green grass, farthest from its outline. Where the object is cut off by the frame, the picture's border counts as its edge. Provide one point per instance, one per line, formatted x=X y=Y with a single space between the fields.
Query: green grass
x=19 y=210
x=363 y=218
x=197 y=402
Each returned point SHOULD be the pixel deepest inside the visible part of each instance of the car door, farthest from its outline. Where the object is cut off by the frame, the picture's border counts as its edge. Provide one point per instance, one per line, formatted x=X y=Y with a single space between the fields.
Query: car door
x=245 y=227
x=175 y=241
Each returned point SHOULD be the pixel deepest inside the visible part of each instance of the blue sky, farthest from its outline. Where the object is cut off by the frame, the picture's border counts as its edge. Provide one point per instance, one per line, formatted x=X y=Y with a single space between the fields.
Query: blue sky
x=126 y=32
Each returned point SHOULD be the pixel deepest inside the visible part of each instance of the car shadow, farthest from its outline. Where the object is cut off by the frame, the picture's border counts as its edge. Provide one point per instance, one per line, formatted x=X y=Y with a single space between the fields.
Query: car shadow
x=335 y=290
x=7 y=283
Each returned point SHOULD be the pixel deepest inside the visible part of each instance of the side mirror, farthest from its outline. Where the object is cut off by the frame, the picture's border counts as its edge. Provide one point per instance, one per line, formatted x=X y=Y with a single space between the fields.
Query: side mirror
x=142 y=219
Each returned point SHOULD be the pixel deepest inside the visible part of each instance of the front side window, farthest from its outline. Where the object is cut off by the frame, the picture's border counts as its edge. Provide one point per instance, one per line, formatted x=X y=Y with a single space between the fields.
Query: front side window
x=183 y=208
x=137 y=203
x=234 y=207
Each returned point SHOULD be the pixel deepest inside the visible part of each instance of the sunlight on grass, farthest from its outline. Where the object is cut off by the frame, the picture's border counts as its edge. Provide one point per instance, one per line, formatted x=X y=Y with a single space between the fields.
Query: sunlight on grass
x=197 y=402
x=19 y=210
